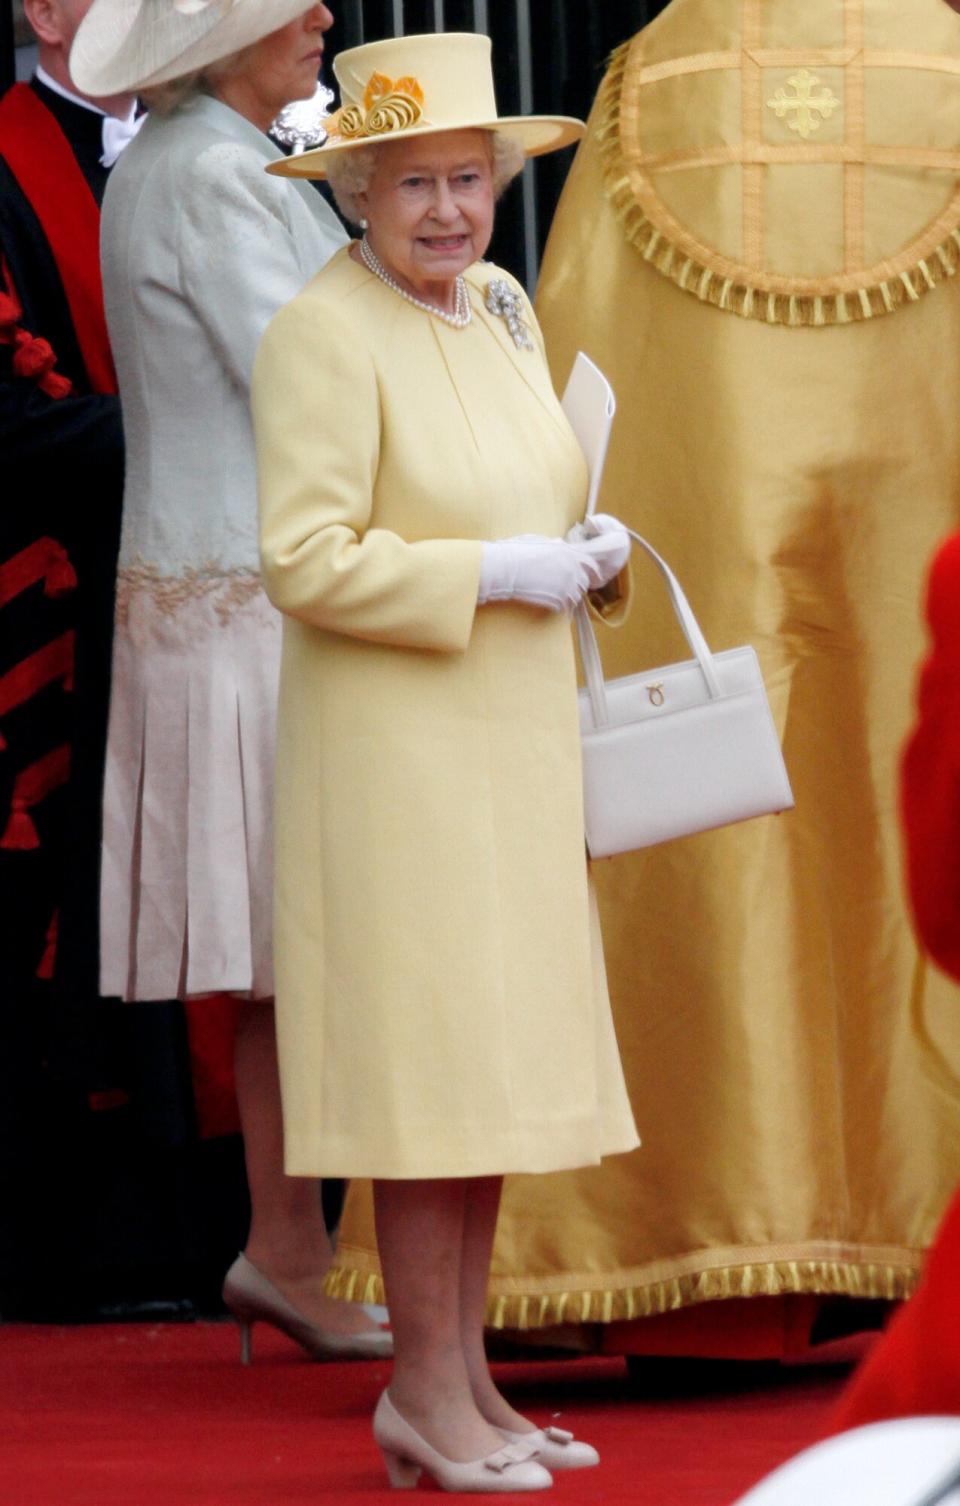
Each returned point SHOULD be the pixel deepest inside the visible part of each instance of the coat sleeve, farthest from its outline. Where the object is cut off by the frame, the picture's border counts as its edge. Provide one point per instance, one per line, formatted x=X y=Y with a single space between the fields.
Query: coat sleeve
x=237 y=255
x=930 y=774
x=316 y=413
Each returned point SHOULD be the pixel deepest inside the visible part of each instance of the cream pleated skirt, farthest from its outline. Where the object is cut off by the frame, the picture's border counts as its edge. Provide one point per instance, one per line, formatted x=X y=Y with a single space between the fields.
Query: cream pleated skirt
x=187 y=875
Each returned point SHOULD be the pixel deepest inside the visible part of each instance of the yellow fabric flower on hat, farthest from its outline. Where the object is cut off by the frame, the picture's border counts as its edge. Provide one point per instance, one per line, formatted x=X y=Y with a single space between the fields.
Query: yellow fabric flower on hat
x=388 y=105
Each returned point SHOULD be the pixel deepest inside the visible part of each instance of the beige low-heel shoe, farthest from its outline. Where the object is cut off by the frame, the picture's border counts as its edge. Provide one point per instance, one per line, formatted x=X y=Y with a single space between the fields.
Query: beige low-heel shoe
x=406 y=1455
x=251 y=1298
x=556 y=1448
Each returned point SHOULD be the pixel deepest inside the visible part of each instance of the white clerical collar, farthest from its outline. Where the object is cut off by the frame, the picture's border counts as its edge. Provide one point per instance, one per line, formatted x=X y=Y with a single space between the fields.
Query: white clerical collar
x=118 y=130
x=75 y=99
x=78 y=99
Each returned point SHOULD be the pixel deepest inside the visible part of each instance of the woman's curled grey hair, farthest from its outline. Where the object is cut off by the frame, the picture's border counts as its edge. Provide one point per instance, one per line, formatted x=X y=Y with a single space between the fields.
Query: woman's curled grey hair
x=350 y=172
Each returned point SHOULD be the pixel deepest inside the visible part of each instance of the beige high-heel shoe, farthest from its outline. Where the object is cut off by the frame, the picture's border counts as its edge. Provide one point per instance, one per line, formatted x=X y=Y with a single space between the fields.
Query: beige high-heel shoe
x=251 y=1298
x=406 y=1455
x=556 y=1448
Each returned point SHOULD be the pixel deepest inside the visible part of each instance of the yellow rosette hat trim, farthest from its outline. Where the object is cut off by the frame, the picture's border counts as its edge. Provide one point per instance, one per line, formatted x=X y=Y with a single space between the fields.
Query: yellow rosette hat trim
x=387 y=107
x=417 y=86
x=798 y=165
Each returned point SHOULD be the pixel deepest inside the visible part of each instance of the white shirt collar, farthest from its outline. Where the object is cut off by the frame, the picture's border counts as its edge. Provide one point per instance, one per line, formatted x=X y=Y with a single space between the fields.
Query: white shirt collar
x=75 y=99
x=78 y=99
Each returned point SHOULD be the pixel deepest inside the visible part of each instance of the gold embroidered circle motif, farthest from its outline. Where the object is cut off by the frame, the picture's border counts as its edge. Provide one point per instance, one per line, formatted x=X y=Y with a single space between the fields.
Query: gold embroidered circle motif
x=802 y=185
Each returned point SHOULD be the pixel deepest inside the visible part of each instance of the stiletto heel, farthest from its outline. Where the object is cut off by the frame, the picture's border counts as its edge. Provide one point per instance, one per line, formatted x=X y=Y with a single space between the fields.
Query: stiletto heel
x=251 y=1298
x=402 y=1473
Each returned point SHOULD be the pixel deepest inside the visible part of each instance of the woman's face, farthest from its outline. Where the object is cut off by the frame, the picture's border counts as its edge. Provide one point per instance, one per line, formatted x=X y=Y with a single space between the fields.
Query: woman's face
x=281 y=67
x=429 y=206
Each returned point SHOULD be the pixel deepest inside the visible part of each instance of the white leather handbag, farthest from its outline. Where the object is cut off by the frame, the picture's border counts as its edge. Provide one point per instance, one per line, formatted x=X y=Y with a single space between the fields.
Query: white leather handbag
x=679 y=749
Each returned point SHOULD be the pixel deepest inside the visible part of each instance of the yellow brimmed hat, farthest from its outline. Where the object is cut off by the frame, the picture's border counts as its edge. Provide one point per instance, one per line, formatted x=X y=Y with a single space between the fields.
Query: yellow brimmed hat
x=123 y=46
x=417 y=86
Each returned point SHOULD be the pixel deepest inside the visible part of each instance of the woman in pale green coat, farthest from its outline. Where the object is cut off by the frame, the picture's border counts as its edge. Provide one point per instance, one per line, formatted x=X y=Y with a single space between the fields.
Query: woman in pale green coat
x=442 y=1008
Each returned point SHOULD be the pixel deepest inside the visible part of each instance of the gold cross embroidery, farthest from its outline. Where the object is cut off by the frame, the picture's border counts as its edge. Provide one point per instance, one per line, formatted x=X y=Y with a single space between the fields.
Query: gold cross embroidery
x=810 y=109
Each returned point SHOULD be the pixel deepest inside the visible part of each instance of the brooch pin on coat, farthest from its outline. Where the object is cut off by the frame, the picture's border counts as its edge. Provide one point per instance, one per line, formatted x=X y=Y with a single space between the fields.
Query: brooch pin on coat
x=506 y=304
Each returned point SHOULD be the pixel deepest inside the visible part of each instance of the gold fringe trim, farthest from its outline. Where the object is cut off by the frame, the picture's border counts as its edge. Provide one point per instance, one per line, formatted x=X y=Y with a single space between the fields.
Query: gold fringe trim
x=771 y=1279
x=754 y=299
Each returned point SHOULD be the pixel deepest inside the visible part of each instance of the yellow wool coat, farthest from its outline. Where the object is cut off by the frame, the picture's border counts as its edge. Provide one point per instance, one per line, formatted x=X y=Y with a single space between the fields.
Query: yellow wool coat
x=441 y=1000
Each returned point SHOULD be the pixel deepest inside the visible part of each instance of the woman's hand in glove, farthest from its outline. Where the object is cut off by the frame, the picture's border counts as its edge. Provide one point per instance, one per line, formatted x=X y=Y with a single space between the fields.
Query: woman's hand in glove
x=608 y=543
x=543 y=572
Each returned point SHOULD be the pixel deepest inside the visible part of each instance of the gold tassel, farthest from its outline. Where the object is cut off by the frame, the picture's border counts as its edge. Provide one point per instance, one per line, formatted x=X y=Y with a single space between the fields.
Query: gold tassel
x=911 y=291
x=608 y=1304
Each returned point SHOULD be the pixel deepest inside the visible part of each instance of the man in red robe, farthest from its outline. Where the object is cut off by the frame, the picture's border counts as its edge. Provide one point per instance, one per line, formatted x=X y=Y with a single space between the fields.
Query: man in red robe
x=915 y=1368
x=61 y=450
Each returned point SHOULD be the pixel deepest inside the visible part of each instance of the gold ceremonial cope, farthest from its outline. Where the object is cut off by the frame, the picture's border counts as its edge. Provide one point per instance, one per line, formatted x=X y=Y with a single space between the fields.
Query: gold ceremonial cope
x=795 y=162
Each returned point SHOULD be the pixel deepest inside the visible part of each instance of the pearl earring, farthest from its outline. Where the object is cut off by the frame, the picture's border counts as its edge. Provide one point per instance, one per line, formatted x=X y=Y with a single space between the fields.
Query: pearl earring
x=364 y=225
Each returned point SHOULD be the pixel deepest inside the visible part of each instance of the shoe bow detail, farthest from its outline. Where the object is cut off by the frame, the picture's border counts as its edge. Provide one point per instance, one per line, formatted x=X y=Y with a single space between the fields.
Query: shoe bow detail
x=514 y=1453
x=558 y=1435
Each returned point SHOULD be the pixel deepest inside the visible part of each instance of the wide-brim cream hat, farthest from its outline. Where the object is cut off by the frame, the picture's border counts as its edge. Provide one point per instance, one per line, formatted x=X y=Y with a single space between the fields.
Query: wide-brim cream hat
x=418 y=86
x=123 y=46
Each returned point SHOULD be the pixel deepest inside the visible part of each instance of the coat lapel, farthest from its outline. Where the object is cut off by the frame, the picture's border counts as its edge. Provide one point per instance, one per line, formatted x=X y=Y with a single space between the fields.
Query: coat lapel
x=529 y=364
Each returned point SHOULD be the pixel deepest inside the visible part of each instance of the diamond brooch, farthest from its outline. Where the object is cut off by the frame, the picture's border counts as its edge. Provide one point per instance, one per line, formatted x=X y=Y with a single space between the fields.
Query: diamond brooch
x=506 y=304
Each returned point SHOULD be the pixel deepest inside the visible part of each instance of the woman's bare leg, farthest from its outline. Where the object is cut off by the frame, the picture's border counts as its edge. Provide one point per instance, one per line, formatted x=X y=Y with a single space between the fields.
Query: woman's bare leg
x=288 y=1241
x=482 y=1203
x=420 y=1227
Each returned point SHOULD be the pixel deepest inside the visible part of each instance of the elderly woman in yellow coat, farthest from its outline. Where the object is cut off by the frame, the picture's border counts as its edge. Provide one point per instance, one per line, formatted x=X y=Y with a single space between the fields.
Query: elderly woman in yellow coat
x=442 y=1008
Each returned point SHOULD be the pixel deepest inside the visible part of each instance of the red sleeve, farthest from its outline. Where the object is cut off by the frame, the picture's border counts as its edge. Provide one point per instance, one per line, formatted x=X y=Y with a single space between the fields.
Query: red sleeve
x=930 y=774
x=914 y=1370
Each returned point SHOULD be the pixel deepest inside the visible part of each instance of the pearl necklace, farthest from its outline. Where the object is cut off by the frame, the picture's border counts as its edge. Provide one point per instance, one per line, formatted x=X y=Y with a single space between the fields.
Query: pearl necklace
x=462 y=312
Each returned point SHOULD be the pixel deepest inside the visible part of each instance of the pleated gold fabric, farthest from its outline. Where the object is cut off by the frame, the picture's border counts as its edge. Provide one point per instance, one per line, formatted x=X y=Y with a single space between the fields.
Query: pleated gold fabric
x=797 y=476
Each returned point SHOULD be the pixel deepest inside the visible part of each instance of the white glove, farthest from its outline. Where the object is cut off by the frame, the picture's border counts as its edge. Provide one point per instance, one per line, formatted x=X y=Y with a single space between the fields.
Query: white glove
x=543 y=572
x=608 y=544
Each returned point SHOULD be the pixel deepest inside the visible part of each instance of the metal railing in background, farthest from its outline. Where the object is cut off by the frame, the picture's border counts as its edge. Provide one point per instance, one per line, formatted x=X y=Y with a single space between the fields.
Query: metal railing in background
x=549 y=57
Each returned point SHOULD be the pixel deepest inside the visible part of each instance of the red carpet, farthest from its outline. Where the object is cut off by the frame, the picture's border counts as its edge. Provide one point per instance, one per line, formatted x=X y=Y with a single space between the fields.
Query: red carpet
x=134 y=1415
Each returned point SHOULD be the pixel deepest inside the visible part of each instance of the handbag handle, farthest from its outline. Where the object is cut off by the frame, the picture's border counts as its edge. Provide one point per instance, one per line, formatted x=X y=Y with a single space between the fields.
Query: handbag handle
x=590 y=654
